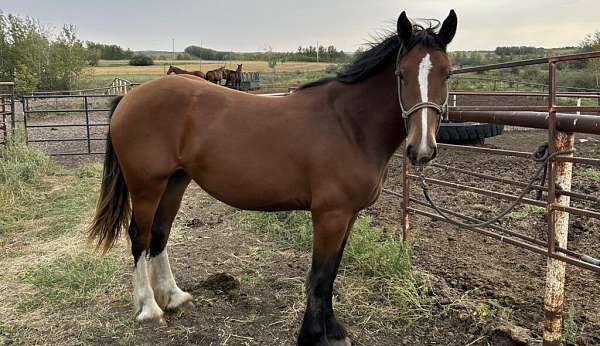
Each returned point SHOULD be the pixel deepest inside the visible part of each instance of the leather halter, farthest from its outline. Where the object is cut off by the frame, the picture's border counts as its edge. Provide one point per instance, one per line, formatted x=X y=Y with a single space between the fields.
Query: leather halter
x=441 y=110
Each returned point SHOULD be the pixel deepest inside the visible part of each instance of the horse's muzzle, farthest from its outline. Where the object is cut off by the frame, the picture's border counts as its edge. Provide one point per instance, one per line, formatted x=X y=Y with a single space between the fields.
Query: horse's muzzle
x=420 y=156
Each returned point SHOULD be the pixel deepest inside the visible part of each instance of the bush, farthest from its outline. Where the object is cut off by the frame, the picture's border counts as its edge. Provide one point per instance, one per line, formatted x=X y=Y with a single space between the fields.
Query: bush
x=141 y=60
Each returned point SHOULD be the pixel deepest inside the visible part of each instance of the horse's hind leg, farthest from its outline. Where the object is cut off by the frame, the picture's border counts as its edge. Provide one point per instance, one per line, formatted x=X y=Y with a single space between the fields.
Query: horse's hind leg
x=166 y=292
x=145 y=203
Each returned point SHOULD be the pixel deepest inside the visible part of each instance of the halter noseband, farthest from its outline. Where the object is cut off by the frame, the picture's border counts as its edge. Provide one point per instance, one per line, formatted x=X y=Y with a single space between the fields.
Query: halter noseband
x=441 y=110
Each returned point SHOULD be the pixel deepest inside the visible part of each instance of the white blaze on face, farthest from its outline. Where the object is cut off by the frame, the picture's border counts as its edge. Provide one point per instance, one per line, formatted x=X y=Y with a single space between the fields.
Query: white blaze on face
x=424 y=69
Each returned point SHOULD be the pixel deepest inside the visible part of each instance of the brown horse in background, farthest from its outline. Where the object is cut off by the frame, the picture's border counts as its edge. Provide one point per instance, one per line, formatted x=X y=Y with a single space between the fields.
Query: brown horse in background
x=215 y=76
x=233 y=78
x=177 y=70
x=324 y=148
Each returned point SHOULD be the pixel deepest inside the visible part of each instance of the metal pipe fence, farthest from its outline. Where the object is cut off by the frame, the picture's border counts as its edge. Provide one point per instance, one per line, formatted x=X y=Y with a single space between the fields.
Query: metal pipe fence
x=82 y=124
x=561 y=128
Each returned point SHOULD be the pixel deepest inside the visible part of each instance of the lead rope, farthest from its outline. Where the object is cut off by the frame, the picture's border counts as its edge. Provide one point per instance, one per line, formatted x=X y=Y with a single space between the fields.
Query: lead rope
x=545 y=159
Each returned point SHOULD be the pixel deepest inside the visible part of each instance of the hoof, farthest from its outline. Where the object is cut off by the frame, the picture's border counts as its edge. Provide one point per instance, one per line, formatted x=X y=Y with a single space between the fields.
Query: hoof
x=180 y=299
x=340 y=342
x=151 y=313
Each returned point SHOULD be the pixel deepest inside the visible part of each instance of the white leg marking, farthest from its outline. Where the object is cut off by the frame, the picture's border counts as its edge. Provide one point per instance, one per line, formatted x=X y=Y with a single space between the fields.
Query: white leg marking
x=143 y=295
x=424 y=69
x=166 y=292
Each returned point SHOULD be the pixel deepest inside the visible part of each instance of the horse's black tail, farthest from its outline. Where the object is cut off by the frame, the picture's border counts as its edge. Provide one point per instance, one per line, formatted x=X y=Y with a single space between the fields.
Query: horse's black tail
x=113 y=211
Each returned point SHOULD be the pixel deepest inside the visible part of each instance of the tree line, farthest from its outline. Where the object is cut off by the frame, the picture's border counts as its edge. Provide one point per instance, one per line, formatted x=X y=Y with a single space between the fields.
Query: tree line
x=304 y=54
x=582 y=73
x=100 y=51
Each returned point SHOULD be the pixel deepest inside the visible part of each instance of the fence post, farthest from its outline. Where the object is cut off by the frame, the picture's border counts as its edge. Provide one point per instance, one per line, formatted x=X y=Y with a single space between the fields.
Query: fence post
x=405 y=195
x=87 y=123
x=13 y=111
x=555 y=272
x=560 y=174
x=25 y=114
x=3 y=121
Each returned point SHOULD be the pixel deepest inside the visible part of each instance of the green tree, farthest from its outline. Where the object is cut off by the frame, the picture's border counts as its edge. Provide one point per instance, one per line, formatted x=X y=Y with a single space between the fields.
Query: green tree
x=591 y=43
x=67 y=57
x=33 y=60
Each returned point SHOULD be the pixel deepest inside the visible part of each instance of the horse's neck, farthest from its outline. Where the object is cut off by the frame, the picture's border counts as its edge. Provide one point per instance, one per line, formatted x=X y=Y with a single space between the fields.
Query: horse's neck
x=371 y=108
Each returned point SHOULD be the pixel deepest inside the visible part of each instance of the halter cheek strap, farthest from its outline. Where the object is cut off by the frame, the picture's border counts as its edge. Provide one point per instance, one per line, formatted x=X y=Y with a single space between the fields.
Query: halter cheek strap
x=441 y=110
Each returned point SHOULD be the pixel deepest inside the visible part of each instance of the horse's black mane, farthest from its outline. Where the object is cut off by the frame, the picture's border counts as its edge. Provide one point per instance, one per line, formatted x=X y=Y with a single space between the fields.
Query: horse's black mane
x=380 y=54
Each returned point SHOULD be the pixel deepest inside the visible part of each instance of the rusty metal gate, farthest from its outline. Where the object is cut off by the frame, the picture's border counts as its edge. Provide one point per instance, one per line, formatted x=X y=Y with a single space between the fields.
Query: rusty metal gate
x=561 y=127
x=67 y=124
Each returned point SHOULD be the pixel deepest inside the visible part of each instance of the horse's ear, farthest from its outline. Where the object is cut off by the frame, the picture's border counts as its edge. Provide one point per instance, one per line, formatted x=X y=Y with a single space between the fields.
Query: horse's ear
x=448 y=29
x=405 y=28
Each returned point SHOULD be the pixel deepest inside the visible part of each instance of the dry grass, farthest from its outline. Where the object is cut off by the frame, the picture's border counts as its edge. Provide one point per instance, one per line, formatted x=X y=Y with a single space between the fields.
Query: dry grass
x=48 y=267
x=160 y=68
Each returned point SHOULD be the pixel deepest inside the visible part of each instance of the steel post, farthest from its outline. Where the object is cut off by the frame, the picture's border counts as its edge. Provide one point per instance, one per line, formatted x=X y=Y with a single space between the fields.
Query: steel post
x=560 y=173
x=87 y=124
x=405 y=195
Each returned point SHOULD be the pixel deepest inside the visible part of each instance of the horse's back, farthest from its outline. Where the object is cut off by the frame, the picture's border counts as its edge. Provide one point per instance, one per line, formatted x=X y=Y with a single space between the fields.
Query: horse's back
x=228 y=141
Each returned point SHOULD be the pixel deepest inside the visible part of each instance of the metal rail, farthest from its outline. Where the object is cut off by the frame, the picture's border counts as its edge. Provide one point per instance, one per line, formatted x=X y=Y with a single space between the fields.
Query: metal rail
x=86 y=123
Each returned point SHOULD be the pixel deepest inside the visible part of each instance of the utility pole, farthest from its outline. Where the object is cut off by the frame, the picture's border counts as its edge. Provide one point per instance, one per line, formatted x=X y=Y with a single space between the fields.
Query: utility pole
x=173 y=46
x=317 y=51
x=200 y=55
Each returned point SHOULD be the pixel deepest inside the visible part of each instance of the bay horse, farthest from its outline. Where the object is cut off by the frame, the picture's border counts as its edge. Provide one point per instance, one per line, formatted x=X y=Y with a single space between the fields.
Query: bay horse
x=234 y=78
x=325 y=148
x=177 y=70
x=215 y=76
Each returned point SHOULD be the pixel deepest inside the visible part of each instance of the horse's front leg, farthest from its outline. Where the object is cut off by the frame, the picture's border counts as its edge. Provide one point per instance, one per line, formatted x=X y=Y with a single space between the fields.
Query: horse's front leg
x=320 y=327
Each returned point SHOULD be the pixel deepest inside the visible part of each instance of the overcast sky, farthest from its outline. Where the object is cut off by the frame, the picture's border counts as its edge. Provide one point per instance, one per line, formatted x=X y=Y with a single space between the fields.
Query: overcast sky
x=284 y=25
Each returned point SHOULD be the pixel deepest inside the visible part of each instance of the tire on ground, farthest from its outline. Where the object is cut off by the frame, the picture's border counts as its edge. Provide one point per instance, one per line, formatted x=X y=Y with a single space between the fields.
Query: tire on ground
x=467 y=132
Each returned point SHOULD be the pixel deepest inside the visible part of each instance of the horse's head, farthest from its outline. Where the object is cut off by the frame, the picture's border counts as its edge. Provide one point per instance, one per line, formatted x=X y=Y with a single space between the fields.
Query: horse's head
x=171 y=69
x=239 y=68
x=423 y=70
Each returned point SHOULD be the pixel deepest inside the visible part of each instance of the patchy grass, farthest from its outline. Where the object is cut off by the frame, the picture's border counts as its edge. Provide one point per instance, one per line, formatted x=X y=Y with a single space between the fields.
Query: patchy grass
x=592 y=173
x=571 y=330
x=490 y=309
x=57 y=203
x=53 y=285
x=70 y=280
x=524 y=211
x=21 y=167
x=374 y=263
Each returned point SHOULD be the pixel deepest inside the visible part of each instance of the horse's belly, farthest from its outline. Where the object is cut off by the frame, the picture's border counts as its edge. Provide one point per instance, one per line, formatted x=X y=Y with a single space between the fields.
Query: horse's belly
x=248 y=189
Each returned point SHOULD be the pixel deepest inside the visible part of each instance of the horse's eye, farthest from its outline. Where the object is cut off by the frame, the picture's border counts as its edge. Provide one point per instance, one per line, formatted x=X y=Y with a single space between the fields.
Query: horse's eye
x=400 y=75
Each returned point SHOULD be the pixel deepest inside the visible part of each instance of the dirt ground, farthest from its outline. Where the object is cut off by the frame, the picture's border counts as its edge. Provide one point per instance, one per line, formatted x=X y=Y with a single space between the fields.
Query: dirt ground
x=488 y=268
